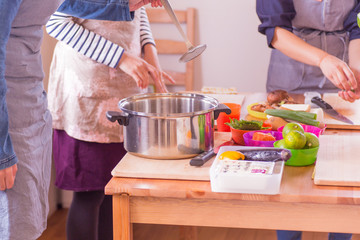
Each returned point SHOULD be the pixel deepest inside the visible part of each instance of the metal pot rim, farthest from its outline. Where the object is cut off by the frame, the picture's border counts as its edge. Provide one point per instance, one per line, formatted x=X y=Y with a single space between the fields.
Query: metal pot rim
x=137 y=97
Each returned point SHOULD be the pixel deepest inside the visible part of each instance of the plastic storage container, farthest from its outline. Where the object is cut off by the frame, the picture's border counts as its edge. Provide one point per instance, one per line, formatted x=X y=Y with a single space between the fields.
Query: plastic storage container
x=240 y=181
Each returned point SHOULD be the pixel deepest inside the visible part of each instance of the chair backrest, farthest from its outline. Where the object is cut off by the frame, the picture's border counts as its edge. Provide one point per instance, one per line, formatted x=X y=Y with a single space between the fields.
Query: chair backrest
x=169 y=46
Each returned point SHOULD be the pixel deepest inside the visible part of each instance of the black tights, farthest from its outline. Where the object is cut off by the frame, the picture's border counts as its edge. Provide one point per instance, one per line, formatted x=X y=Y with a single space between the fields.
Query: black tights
x=90 y=217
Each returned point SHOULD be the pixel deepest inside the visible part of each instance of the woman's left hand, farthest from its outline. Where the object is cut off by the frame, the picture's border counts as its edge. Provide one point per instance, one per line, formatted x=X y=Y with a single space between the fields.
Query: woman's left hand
x=160 y=85
x=338 y=72
x=350 y=96
x=136 y=4
x=353 y=94
x=151 y=57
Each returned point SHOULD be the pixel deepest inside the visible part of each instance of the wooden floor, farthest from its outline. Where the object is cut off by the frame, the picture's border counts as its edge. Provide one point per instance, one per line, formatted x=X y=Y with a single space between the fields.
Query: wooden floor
x=56 y=231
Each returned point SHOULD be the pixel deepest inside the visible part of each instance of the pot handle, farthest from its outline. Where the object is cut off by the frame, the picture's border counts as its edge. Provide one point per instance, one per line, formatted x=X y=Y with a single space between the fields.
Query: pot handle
x=221 y=108
x=121 y=117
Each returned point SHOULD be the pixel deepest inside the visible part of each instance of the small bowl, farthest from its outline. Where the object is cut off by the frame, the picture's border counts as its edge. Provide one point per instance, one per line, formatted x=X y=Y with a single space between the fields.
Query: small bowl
x=238 y=135
x=301 y=157
x=308 y=128
x=250 y=142
x=256 y=114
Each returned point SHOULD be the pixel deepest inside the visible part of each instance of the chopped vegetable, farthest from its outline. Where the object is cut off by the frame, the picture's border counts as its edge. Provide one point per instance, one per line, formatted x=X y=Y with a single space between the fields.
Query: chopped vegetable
x=232 y=155
x=244 y=124
x=299 y=116
x=260 y=136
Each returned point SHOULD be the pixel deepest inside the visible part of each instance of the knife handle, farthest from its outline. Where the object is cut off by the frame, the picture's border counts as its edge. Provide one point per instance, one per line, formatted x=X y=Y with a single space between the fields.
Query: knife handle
x=202 y=158
x=321 y=103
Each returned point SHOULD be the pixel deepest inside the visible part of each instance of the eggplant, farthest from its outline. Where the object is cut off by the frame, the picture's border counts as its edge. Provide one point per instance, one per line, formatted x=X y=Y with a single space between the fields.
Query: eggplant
x=266 y=154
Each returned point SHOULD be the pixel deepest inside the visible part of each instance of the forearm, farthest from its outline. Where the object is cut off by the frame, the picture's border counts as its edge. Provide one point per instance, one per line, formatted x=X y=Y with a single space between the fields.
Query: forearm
x=354 y=57
x=150 y=55
x=63 y=28
x=296 y=48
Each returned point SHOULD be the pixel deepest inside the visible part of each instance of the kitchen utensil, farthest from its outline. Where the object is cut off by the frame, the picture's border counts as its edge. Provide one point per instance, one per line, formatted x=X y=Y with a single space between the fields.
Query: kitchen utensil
x=337 y=162
x=231 y=176
x=308 y=96
x=158 y=125
x=330 y=110
x=202 y=158
x=192 y=52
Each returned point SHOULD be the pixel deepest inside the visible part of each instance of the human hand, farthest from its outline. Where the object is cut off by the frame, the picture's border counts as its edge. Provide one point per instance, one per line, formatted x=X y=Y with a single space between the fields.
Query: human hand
x=350 y=96
x=338 y=72
x=160 y=85
x=354 y=94
x=7 y=177
x=139 y=70
x=136 y=4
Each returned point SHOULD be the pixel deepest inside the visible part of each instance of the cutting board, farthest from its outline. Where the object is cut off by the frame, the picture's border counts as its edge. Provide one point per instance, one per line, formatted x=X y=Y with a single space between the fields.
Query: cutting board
x=338 y=162
x=227 y=98
x=349 y=110
x=134 y=166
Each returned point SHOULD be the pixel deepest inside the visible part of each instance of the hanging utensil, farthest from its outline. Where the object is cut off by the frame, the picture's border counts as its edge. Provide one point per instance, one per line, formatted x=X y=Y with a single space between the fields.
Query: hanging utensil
x=192 y=52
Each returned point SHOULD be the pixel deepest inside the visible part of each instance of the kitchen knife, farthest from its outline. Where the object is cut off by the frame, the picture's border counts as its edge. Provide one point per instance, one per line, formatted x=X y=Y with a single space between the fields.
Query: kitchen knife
x=202 y=158
x=330 y=110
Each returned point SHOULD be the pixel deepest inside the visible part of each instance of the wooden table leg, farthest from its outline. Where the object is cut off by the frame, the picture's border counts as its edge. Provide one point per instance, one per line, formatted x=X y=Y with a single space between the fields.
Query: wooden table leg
x=121 y=217
x=188 y=232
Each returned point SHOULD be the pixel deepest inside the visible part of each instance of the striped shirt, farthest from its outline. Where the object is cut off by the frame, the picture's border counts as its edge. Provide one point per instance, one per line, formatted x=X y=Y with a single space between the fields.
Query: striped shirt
x=63 y=27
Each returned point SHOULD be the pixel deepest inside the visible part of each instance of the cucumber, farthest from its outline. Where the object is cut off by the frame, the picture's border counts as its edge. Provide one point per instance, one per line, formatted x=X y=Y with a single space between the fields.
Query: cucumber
x=299 y=116
x=266 y=154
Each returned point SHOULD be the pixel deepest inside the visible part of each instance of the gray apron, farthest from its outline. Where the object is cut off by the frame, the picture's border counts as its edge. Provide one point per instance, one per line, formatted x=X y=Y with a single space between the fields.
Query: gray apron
x=321 y=25
x=24 y=208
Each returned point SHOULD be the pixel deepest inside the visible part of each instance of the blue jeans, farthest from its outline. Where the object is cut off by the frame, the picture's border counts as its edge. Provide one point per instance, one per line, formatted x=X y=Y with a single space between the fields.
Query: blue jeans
x=296 y=235
x=8 y=11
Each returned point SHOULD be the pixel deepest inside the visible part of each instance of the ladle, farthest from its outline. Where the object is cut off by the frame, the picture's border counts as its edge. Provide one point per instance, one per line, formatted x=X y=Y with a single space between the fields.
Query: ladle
x=192 y=52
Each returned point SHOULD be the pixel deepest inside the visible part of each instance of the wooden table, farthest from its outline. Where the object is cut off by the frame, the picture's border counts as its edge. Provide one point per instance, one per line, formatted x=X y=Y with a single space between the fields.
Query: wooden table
x=301 y=205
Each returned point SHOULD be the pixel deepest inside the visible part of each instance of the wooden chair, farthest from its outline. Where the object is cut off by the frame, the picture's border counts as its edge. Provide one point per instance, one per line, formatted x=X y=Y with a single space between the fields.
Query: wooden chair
x=173 y=47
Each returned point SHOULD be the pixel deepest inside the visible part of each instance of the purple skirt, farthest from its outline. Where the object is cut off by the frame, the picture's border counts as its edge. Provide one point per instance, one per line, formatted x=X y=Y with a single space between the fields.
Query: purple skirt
x=84 y=166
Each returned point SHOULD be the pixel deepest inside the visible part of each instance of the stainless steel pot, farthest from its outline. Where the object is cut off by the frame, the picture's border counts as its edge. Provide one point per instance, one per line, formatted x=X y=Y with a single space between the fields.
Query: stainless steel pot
x=168 y=125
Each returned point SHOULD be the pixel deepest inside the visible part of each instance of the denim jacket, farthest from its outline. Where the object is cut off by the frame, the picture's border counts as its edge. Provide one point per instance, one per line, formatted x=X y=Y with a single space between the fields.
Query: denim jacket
x=111 y=10
x=8 y=10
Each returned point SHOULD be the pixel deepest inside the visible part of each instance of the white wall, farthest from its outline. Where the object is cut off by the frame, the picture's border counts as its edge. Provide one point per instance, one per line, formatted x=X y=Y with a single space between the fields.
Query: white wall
x=237 y=55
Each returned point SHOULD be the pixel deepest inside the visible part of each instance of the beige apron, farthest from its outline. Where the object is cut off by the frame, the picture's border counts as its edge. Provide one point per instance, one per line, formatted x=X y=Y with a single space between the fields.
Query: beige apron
x=321 y=24
x=82 y=90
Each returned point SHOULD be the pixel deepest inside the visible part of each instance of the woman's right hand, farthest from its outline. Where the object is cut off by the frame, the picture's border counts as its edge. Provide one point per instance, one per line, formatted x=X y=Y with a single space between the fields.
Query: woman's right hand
x=7 y=177
x=139 y=70
x=338 y=72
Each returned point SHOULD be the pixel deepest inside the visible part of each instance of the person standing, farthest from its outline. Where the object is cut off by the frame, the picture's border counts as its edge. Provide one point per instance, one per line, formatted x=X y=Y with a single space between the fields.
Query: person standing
x=315 y=45
x=96 y=63
x=25 y=122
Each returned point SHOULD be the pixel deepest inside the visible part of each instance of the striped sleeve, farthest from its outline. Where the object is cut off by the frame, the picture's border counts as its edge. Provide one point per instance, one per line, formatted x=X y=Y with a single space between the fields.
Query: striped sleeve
x=62 y=27
x=145 y=30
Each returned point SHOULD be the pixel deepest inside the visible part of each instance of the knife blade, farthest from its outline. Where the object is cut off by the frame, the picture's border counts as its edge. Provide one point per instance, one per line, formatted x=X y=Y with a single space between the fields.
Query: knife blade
x=330 y=110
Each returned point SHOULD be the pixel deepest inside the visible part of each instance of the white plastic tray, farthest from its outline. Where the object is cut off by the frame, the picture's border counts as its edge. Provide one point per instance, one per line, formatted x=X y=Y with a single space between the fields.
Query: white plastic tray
x=241 y=182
